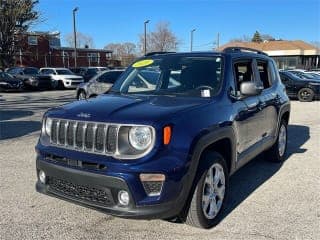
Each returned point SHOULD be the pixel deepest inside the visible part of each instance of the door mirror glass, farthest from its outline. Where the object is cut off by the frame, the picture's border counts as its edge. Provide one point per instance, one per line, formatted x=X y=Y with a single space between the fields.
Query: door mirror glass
x=250 y=89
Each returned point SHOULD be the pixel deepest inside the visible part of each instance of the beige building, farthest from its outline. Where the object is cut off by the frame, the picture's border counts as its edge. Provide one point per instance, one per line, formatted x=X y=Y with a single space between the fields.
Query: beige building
x=287 y=54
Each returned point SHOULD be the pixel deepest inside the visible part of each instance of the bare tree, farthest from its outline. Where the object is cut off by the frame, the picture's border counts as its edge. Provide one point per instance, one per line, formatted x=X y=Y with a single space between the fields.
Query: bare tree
x=16 y=16
x=161 y=40
x=125 y=52
x=83 y=40
x=117 y=50
x=244 y=38
x=267 y=37
x=129 y=48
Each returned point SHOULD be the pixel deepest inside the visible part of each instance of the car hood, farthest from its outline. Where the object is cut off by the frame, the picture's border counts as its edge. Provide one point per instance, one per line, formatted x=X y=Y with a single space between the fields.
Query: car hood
x=70 y=76
x=126 y=108
x=11 y=81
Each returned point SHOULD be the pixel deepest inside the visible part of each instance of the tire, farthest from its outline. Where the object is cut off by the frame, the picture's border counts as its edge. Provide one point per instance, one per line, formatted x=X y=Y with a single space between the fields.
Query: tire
x=54 y=84
x=93 y=96
x=60 y=85
x=208 y=195
x=277 y=152
x=305 y=95
x=82 y=95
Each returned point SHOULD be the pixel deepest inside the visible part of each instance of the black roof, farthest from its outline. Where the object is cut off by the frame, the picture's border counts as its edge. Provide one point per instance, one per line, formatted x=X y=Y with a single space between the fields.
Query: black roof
x=233 y=52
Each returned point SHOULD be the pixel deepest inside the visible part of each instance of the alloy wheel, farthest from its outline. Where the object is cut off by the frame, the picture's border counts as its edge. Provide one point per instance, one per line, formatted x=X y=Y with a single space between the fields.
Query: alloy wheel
x=213 y=191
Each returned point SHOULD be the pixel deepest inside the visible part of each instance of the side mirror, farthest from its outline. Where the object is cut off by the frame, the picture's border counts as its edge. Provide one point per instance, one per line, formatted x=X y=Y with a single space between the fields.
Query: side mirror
x=250 y=89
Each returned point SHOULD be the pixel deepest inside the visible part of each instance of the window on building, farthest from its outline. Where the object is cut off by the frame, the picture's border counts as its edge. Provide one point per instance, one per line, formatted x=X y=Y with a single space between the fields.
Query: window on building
x=108 y=55
x=54 y=41
x=93 y=57
x=32 y=40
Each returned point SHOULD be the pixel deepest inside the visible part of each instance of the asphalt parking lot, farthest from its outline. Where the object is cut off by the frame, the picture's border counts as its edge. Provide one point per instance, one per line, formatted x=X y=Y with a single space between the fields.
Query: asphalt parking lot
x=267 y=200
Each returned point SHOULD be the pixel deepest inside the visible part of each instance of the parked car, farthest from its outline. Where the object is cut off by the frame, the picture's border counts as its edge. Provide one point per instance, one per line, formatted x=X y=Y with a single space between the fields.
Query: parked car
x=304 y=75
x=304 y=89
x=166 y=149
x=62 y=77
x=101 y=83
x=315 y=70
x=9 y=83
x=89 y=72
x=31 y=78
x=76 y=70
x=314 y=74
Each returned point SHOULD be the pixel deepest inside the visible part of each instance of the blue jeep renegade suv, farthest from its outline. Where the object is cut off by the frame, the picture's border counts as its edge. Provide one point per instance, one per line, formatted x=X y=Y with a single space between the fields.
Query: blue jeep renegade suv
x=167 y=137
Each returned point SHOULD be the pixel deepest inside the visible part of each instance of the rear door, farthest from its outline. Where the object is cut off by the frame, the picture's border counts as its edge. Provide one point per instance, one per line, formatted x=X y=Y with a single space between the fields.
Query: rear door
x=269 y=98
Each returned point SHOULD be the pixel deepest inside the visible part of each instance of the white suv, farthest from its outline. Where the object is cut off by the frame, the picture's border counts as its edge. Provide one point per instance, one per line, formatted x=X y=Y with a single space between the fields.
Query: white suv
x=62 y=77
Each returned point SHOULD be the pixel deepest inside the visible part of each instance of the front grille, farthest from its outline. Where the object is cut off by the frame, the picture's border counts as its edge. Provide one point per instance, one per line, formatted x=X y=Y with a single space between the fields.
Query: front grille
x=89 y=138
x=84 y=136
x=82 y=192
x=79 y=134
x=75 y=83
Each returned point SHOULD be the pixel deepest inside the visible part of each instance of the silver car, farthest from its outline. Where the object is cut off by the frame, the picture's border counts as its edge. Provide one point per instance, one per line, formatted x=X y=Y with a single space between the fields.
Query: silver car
x=100 y=83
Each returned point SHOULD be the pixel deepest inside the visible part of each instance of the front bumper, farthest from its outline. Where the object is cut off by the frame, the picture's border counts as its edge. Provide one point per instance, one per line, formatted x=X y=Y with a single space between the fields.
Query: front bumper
x=92 y=187
x=72 y=84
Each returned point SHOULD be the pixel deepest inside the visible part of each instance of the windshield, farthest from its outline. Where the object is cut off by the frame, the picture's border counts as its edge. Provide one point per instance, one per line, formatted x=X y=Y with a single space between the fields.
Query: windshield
x=194 y=76
x=31 y=71
x=64 y=72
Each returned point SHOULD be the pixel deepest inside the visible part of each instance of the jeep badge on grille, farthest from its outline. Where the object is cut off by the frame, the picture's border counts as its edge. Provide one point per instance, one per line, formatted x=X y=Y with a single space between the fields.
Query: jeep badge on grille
x=84 y=115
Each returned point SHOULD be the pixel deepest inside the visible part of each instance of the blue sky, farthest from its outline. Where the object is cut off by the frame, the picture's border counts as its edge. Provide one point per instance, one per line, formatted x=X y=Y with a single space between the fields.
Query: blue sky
x=112 y=21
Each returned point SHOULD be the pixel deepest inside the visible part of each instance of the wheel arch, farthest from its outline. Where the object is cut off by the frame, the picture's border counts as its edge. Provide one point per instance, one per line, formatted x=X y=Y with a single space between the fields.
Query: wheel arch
x=221 y=140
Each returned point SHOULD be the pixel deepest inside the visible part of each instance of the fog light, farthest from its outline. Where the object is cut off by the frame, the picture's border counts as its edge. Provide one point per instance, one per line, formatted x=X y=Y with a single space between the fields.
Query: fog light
x=42 y=177
x=123 y=197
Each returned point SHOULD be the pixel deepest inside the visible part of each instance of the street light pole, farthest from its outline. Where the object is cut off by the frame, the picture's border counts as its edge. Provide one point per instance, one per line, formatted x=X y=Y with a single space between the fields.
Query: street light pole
x=191 y=42
x=145 y=36
x=75 y=35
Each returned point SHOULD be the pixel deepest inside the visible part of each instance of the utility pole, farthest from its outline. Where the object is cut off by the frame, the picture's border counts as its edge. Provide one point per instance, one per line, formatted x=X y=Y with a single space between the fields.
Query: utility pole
x=218 y=40
x=75 y=35
x=145 y=37
x=191 y=40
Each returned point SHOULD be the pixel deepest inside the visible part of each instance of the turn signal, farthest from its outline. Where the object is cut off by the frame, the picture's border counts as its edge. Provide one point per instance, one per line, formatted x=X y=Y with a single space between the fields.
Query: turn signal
x=166 y=135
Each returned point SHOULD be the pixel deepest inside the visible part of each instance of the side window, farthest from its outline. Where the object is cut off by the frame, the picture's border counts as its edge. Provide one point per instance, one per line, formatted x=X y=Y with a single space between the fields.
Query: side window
x=174 y=79
x=243 y=73
x=263 y=69
x=108 y=77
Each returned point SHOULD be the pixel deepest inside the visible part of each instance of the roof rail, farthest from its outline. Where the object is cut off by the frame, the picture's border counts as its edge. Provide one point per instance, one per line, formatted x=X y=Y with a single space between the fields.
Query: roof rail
x=242 y=49
x=156 y=53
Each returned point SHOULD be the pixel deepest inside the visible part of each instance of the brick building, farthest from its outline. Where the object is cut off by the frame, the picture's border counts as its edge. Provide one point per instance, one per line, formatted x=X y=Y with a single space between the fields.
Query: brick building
x=287 y=54
x=43 y=49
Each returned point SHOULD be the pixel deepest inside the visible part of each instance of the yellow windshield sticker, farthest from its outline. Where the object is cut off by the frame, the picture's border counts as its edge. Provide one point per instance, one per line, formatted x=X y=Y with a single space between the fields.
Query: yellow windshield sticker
x=142 y=63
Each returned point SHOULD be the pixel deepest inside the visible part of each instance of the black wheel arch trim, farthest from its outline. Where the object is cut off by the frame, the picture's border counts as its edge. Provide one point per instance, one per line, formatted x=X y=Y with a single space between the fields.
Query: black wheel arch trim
x=198 y=147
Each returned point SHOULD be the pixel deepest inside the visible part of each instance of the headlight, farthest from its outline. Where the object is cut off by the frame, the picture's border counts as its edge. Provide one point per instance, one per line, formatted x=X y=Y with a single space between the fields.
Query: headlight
x=140 y=138
x=48 y=125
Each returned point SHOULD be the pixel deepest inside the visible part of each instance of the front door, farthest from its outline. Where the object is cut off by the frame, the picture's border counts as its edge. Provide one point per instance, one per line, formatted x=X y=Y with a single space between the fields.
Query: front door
x=250 y=117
